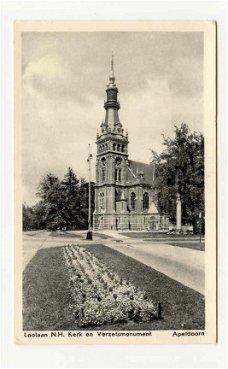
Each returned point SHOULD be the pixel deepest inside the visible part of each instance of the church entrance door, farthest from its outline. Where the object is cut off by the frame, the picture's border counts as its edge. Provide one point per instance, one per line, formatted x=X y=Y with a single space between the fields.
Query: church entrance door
x=152 y=224
x=101 y=223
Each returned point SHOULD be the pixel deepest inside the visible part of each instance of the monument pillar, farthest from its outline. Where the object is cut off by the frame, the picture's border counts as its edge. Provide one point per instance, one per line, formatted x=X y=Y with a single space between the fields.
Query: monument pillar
x=178 y=213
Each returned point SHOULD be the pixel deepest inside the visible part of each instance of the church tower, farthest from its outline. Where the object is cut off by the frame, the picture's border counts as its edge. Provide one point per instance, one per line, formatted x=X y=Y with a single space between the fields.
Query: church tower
x=124 y=188
x=111 y=163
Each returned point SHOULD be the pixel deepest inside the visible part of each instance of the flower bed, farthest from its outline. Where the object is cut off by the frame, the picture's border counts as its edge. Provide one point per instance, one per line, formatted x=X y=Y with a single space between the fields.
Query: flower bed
x=99 y=296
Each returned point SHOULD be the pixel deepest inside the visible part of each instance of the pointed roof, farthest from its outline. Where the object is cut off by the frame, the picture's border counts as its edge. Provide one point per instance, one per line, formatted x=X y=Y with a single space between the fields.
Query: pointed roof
x=152 y=209
x=112 y=75
x=111 y=104
x=122 y=196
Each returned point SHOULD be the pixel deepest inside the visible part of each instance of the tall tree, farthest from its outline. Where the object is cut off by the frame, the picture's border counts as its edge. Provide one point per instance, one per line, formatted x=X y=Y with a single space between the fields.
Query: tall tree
x=28 y=218
x=53 y=197
x=39 y=211
x=48 y=186
x=84 y=205
x=63 y=203
x=180 y=169
x=70 y=188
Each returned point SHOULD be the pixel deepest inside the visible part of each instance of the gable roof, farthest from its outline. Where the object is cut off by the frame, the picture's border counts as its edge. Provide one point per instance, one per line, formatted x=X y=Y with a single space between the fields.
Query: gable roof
x=135 y=168
x=152 y=209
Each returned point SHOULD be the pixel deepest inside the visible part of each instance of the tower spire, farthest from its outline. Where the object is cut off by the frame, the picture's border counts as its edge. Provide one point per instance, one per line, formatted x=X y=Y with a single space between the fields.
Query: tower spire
x=111 y=105
x=112 y=76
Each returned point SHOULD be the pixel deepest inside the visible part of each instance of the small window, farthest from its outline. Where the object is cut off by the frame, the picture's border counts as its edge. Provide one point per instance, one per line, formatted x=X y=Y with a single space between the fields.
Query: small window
x=118 y=161
x=133 y=198
x=122 y=148
x=114 y=147
x=103 y=175
x=118 y=147
x=103 y=162
x=145 y=201
x=102 y=202
x=118 y=173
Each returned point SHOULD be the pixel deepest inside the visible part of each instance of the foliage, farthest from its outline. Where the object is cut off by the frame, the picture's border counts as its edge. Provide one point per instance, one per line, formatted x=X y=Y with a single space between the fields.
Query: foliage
x=180 y=169
x=64 y=204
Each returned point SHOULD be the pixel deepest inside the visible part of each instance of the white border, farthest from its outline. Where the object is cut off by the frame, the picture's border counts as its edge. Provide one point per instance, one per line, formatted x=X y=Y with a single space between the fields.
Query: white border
x=106 y=356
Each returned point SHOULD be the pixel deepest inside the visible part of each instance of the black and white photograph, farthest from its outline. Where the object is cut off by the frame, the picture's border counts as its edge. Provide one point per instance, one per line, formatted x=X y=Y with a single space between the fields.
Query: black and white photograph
x=115 y=186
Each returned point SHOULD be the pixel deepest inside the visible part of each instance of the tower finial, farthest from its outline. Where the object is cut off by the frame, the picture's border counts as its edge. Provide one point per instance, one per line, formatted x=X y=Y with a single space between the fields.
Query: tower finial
x=112 y=76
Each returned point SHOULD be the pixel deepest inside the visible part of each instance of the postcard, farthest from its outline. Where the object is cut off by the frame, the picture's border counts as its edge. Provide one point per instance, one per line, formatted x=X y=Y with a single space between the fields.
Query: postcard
x=115 y=182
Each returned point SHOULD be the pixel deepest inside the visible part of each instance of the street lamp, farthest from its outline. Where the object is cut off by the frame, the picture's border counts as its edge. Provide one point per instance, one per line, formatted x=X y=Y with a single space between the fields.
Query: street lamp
x=89 y=233
x=200 y=221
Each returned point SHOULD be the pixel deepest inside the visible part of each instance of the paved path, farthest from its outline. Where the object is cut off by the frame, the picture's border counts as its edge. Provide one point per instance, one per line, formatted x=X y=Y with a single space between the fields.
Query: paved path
x=34 y=241
x=184 y=265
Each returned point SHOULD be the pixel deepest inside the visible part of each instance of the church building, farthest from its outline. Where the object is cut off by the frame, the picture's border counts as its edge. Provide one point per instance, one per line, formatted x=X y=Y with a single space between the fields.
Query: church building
x=124 y=188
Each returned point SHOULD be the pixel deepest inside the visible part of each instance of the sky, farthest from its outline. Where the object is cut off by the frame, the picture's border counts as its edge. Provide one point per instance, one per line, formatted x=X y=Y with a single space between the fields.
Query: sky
x=64 y=75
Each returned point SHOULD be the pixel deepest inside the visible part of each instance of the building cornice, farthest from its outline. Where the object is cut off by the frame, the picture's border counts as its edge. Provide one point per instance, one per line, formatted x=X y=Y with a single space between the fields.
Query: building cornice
x=117 y=185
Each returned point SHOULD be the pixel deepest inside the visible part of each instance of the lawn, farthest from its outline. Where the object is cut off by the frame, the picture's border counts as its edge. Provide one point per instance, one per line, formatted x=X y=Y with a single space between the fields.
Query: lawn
x=46 y=292
x=154 y=235
x=101 y=235
x=189 y=245
x=64 y=234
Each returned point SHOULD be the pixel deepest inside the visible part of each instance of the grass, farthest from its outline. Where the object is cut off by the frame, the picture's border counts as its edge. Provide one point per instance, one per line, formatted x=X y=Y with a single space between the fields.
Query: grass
x=101 y=235
x=64 y=234
x=194 y=245
x=189 y=245
x=159 y=235
x=46 y=294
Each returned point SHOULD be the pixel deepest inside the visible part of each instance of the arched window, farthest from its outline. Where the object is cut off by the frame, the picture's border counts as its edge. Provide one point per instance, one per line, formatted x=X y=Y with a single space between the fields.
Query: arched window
x=118 y=171
x=122 y=148
x=103 y=162
x=103 y=175
x=133 y=197
x=114 y=147
x=118 y=147
x=103 y=169
x=145 y=201
x=117 y=194
x=102 y=202
x=116 y=174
